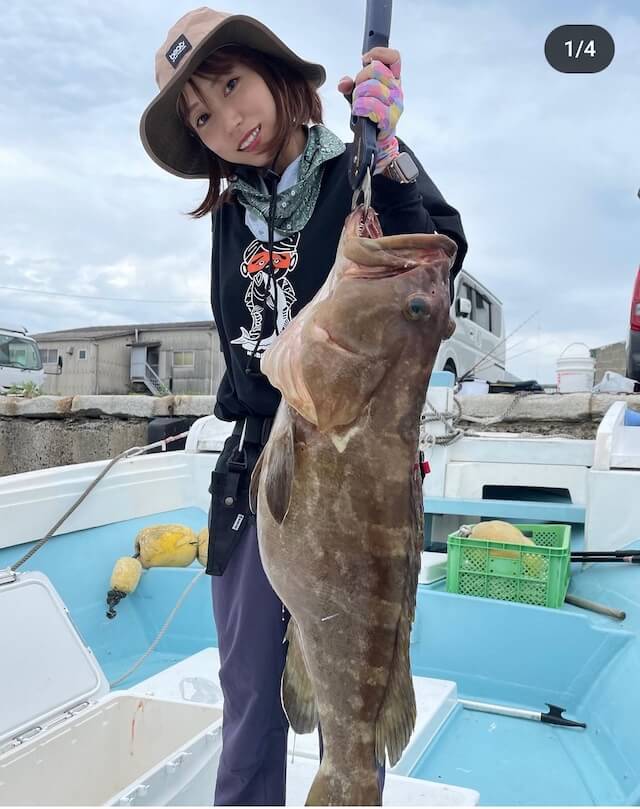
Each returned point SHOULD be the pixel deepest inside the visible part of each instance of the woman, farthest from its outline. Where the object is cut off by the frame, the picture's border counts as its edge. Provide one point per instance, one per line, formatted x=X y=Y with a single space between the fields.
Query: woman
x=234 y=106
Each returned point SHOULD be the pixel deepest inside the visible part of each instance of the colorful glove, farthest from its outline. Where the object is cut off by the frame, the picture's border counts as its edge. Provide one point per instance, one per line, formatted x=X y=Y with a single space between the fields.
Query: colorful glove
x=379 y=97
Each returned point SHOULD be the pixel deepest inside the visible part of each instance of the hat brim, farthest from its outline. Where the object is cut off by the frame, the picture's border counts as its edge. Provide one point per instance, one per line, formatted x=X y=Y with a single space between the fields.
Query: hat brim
x=165 y=137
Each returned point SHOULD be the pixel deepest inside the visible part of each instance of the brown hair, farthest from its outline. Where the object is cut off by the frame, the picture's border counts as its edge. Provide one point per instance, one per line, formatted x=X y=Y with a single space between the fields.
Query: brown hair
x=296 y=102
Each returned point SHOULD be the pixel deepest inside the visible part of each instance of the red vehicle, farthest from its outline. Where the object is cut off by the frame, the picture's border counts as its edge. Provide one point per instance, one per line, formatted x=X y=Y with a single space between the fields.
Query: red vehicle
x=633 y=343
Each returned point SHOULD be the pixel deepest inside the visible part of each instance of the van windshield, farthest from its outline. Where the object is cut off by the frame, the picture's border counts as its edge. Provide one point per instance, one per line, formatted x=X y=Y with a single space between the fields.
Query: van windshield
x=16 y=352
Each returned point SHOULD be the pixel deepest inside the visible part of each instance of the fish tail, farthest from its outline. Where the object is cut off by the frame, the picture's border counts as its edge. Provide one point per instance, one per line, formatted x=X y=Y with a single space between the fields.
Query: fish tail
x=360 y=789
x=298 y=694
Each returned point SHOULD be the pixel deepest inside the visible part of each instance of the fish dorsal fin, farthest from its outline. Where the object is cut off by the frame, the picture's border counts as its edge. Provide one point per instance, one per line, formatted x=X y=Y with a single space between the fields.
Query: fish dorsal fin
x=397 y=716
x=280 y=468
x=298 y=695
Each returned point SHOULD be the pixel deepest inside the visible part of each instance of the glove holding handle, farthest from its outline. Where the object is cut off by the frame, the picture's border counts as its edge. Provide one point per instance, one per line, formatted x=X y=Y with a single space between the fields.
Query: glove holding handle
x=376 y=95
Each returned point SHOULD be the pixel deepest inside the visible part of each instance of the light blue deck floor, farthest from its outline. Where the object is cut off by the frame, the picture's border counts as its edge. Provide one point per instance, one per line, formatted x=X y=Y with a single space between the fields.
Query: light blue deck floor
x=512 y=761
x=494 y=651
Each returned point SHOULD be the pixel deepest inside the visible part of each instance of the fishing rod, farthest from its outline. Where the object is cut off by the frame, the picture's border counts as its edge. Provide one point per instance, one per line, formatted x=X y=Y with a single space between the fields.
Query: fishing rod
x=535 y=348
x=496 y=347
x=487 y=363
x=629 y=557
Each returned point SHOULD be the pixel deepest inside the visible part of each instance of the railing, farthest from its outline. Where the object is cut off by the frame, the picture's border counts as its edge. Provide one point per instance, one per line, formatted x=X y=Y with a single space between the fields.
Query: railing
x=155 y=384
x=152 y=381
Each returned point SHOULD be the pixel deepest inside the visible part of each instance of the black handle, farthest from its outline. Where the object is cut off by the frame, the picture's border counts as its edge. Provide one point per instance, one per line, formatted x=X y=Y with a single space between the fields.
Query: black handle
x=376 y=33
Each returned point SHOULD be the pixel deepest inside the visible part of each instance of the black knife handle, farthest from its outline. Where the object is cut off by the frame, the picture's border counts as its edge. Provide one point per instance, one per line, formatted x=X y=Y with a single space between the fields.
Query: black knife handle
x=376 y=33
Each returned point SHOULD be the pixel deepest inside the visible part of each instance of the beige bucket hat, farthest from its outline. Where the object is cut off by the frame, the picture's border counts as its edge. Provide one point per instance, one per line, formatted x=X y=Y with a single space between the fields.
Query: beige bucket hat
x=194 y=37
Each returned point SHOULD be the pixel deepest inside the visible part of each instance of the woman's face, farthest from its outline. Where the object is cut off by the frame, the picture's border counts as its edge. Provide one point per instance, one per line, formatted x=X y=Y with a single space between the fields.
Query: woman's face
x=234 y=115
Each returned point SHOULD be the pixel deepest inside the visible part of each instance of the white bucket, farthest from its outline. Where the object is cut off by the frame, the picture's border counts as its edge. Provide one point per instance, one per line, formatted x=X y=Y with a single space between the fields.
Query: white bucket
x=574 y=373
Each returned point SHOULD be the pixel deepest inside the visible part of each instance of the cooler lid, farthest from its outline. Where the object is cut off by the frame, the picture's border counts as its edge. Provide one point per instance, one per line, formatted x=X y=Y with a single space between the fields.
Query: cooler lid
x=46 y=667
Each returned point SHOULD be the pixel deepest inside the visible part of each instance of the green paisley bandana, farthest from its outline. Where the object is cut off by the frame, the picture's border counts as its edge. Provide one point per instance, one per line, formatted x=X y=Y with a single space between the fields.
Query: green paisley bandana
x=294 y=205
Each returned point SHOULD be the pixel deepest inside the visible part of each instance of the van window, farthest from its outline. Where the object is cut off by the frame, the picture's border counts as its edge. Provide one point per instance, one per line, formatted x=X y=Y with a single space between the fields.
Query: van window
x=481 y=311
x=18 y=353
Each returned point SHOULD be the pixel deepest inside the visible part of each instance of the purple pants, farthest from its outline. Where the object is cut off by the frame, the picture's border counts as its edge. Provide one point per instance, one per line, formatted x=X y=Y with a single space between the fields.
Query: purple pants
x=251 y=623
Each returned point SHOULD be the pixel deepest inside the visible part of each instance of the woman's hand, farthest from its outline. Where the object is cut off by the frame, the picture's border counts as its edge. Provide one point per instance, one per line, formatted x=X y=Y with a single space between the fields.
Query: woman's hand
x=377 y=95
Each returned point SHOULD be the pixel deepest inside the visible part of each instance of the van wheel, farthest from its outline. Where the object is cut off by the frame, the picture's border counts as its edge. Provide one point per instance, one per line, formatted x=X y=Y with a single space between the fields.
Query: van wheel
x=451 y=367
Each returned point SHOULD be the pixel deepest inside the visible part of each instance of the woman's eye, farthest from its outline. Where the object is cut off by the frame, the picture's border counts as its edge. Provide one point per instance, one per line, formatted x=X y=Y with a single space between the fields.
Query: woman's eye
x=201 y=120
x=230 y=86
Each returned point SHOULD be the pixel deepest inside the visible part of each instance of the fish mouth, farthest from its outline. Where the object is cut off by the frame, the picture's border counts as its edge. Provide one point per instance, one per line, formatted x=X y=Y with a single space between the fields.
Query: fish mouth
x=392 y=256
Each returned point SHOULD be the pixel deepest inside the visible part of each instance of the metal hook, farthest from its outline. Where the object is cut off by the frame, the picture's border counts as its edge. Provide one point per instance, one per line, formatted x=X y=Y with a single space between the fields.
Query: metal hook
x=365 y=190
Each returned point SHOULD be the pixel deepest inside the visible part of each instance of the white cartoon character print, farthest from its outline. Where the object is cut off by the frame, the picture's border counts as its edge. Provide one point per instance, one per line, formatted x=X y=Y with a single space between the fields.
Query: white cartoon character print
x=267 y=290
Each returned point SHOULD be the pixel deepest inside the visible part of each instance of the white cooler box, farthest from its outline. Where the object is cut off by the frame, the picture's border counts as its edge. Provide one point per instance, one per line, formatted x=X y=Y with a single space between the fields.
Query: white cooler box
x=66 y=740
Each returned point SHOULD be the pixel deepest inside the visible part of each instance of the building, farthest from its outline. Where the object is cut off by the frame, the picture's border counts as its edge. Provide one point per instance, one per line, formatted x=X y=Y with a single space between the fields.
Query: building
x=153 y=358
x=611 y=357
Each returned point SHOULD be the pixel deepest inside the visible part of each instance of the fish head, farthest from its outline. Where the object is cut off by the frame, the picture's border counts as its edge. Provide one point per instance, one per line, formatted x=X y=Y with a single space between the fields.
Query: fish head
x=384 y=309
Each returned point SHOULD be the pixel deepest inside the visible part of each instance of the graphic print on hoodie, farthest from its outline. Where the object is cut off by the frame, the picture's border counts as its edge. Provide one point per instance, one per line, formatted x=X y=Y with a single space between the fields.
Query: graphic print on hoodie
x=267 y=290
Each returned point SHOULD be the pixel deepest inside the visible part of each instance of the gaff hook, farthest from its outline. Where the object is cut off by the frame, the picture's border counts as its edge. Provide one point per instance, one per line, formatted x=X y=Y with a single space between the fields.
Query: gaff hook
x=365 y=190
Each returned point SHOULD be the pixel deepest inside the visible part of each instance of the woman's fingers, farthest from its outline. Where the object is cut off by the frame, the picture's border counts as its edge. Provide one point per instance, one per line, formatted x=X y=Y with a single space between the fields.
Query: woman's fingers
x=346 y=85
x=388 y=56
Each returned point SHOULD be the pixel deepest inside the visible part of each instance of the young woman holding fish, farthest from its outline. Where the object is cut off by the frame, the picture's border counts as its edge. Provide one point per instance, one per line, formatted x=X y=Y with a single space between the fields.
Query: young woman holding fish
x=237 y=107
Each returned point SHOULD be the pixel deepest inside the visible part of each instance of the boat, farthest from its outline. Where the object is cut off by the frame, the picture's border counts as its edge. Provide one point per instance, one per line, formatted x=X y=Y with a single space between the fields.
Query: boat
x=127 y=710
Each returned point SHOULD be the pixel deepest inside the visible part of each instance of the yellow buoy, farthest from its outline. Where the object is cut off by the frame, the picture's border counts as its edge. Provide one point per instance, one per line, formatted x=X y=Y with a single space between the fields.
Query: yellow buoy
x=166 y=546
x=126 y=574
x=203 y=546
x=124 y=580
x=500 y=531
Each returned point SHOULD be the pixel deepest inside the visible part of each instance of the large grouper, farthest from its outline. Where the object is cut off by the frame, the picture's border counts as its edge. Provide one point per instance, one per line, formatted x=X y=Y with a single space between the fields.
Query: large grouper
x=338 y=498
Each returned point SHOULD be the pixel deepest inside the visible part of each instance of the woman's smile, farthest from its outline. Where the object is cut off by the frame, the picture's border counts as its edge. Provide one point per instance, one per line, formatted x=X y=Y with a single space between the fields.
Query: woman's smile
x=250 y=141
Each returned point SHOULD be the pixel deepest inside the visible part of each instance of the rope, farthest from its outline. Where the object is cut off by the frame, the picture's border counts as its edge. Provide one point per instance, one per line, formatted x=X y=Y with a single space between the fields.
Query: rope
x=128 y=453
x=451 y=418
x=165 y=626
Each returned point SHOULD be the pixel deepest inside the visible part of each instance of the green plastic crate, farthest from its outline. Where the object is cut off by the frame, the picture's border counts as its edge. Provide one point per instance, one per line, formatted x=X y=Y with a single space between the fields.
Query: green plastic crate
x=512 y=572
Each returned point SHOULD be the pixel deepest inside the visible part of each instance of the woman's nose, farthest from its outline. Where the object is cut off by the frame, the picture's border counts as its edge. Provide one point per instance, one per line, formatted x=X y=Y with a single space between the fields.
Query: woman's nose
x=233 y=123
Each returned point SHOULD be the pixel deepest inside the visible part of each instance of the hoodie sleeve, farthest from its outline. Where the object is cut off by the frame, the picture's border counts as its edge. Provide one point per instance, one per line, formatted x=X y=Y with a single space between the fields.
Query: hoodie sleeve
x=417 y=208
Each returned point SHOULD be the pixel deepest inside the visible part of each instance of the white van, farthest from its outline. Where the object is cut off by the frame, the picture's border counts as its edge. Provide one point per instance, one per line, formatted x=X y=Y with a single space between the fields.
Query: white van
x=20 y=360
x=479 y=320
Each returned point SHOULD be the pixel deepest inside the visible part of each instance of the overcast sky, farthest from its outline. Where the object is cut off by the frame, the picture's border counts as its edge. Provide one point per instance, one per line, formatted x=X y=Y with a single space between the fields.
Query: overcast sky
x=543 y=166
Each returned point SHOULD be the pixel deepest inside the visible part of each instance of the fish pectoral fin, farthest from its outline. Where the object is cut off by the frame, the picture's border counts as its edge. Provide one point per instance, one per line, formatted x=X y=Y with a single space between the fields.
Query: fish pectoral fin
x=278 y=481
x=397 y=716
x=298 y=695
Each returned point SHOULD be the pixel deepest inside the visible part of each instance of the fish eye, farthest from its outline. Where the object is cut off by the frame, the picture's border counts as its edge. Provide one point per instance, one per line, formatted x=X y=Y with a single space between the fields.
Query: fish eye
x=417 y=308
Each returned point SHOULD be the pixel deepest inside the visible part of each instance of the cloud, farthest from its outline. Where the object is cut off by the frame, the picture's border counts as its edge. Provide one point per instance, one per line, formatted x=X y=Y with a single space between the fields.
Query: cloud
x=542 y=165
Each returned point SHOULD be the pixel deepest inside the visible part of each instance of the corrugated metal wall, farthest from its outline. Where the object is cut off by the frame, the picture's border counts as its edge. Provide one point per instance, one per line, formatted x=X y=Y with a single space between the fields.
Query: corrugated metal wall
x=106 y=366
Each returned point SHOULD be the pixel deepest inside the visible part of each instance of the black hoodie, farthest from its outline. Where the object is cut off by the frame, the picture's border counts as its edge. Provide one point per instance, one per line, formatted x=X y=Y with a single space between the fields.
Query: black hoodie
x=242 y=307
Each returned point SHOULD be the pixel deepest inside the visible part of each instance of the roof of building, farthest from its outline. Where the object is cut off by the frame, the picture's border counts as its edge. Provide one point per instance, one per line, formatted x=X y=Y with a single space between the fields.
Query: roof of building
x=124 y=330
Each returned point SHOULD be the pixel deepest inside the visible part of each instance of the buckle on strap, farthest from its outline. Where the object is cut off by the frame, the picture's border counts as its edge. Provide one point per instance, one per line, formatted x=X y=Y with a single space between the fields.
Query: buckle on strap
x=237 y=462
x=253 y=430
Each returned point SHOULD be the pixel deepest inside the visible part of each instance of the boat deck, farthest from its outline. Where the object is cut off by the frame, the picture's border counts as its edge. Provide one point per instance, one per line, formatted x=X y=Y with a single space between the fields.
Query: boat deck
x=494 y=651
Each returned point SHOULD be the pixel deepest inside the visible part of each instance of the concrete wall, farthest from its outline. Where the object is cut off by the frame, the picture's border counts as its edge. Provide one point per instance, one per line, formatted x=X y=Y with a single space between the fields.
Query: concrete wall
x=51 y=431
